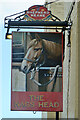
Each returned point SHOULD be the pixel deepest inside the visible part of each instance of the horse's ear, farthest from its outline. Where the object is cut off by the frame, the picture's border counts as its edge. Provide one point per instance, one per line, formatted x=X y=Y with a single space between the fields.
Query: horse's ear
x=37 y=37
x=29 y=35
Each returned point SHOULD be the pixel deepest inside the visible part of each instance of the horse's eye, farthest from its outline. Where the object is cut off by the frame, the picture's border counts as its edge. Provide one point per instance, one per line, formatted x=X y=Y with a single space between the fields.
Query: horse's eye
x=36 y=49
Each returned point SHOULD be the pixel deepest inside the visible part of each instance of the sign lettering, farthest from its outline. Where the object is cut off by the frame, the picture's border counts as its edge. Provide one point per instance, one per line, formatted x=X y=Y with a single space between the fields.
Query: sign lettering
x=37 y=13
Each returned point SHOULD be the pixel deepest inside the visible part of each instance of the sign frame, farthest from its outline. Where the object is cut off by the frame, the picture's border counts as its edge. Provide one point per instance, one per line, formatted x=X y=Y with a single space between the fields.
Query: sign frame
x=37 y=101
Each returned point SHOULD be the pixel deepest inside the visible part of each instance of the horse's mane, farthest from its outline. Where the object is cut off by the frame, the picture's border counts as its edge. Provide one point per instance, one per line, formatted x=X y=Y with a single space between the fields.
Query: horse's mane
x=52 y=50
x=52 y=47
x=49 y=46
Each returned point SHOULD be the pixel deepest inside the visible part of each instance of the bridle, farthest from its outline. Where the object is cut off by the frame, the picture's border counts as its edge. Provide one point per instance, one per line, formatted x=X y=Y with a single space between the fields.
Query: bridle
x=35 y=62
x=54 y=76
x=35 y=68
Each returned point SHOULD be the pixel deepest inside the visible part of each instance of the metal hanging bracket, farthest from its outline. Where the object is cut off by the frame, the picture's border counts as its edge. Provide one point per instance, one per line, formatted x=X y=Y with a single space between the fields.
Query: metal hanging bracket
x=29 y=20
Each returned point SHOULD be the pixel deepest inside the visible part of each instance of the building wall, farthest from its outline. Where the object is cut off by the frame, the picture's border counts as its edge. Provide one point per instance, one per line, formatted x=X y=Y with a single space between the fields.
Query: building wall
x=72 y=91
x=71 y=60
x=78 y=54
x=56 y=9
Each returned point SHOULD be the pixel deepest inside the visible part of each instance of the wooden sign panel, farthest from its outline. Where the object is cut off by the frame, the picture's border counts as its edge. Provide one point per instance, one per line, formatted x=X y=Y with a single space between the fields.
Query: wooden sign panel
x=37 y=71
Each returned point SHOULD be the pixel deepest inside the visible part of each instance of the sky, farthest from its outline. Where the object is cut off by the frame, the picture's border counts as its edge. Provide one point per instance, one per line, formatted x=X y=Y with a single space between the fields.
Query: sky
x=9 y=7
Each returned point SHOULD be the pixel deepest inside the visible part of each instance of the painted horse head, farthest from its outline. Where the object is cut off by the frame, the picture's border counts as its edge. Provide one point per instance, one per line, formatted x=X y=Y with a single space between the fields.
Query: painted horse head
x=34 y=56
x=39 y=51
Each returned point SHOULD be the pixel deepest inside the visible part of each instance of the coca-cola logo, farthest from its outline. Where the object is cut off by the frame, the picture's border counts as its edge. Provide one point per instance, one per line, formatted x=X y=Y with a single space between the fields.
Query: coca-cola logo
x=37 y=13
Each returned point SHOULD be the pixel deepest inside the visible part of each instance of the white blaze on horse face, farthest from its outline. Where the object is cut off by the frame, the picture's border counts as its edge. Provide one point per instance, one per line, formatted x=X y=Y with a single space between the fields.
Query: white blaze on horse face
x=23 y=64
x=32 y=54
x=28 y=56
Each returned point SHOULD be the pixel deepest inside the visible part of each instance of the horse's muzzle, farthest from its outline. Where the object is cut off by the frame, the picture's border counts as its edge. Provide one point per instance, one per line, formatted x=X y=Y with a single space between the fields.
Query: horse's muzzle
x=26 y=69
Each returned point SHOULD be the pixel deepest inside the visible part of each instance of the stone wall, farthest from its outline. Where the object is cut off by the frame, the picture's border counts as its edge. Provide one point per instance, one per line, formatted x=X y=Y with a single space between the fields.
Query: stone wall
x=78 y=61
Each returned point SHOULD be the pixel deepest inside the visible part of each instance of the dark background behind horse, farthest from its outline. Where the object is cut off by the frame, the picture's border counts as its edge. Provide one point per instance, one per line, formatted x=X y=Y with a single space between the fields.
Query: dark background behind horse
x=49 y=36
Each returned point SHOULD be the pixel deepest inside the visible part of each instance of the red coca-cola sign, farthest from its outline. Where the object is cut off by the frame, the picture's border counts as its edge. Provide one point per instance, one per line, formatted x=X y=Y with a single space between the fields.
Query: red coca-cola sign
x=37 y=12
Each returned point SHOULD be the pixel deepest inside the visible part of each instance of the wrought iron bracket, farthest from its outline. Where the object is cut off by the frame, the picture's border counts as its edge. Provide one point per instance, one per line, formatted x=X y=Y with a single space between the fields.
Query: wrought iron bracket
x=18 y=22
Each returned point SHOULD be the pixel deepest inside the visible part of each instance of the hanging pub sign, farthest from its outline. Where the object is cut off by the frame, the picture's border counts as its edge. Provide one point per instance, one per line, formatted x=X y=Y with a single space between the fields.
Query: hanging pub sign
x=37 y=71
x=37 y=12
x=37 y=61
